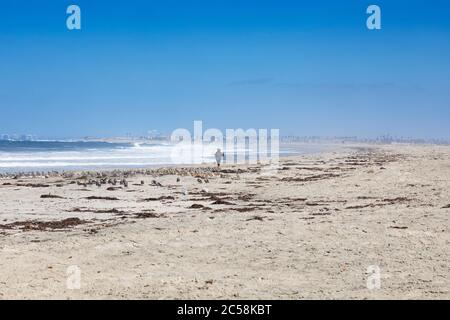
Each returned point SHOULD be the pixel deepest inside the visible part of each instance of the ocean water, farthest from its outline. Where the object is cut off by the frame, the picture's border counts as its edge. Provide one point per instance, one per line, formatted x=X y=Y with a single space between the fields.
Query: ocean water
x=26 y=156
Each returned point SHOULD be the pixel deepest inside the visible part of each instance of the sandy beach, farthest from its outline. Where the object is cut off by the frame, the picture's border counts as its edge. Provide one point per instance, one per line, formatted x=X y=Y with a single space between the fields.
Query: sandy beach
x=313 y=230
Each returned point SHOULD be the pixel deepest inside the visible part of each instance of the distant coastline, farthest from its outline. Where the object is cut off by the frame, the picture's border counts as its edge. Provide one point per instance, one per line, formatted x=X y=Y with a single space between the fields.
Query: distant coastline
x=286 y=139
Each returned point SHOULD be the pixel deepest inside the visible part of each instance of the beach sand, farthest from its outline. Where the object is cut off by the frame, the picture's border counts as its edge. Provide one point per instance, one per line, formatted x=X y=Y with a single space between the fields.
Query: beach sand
x=315 y=229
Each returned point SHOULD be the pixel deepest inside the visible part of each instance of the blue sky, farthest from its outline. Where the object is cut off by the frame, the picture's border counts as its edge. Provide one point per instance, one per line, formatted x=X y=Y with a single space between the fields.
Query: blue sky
x=306 y=67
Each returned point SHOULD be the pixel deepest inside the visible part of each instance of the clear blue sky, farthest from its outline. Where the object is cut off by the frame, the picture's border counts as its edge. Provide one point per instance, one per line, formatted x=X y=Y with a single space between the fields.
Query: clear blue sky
x=306 y=67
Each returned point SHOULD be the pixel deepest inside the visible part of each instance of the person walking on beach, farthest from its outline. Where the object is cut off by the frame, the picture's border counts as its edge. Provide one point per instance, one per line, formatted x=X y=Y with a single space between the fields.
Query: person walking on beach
x=219 y=155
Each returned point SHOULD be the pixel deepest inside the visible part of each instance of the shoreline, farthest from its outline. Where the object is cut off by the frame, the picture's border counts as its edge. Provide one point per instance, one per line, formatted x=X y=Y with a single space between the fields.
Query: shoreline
x=300 y=149
x=291 y=149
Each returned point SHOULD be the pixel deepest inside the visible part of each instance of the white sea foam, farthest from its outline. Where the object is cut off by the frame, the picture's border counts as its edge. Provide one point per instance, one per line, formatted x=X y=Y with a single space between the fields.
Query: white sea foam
x=136 y=155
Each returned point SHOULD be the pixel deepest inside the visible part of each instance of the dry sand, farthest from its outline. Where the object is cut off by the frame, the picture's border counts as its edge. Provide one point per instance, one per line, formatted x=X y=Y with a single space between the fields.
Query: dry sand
x=310 y=231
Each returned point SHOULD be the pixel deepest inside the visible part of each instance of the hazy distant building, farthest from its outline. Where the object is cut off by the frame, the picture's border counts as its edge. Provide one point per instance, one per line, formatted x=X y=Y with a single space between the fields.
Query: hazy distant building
x=15 y=137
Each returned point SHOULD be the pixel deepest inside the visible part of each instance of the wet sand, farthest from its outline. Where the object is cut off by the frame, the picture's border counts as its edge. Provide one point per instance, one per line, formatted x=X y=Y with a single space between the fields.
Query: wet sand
x=312 y=230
